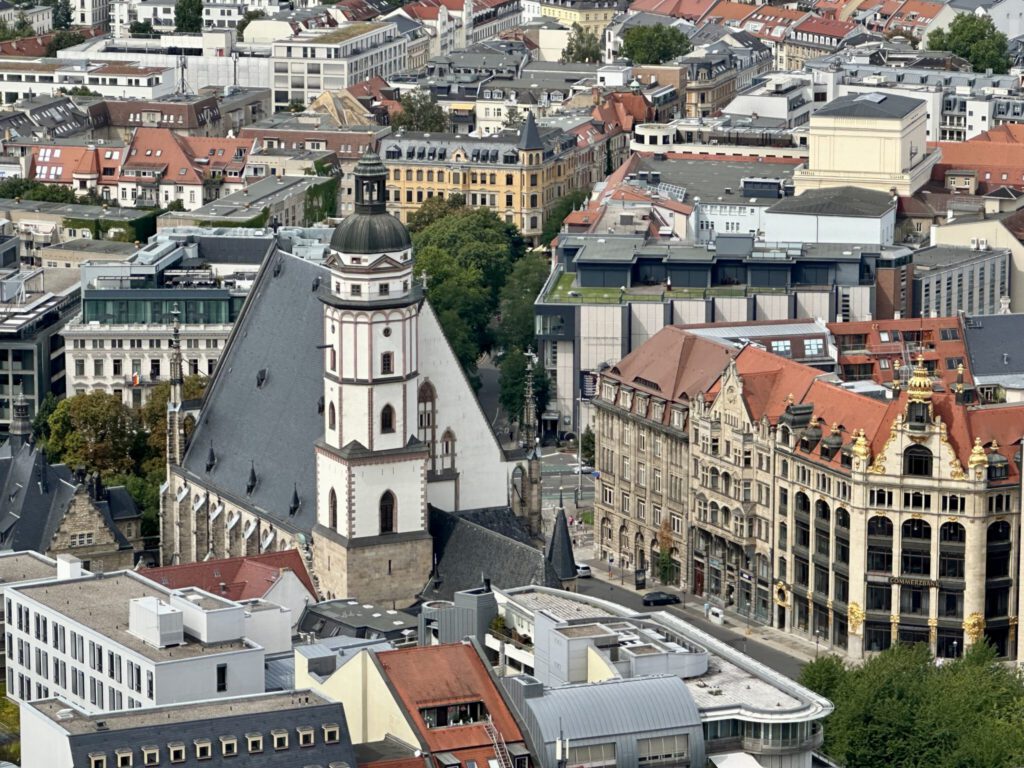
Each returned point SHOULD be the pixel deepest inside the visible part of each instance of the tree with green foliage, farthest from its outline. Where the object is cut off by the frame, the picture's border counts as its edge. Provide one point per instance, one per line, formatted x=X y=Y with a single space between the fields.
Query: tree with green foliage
x=466 y=256
x=515 y=303
x=664 y=550
x=434 y=208
x=587 y=446
x=22 y=26
x=512 y=384
x=563 y=207
x=188 y=16
x=141 y=28
x=976 y=39
x=61 y=14
x=514 y=118
x=145 y=491
x=153 y=416
x=655 y=44
x=62 y=39
x=295 y=105
x=582 y=47
x=902 y=708
x=27 y=189
x=95 y=430
x=420 y=112
x=244 y=22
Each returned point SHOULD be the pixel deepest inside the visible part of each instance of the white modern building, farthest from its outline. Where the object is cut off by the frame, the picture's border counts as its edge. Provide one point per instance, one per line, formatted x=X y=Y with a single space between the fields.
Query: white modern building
x=22 y=78
x=313 y=61
x=120 y=641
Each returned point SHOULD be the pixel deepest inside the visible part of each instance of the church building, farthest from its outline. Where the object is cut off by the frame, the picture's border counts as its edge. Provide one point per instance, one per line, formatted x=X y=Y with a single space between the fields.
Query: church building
x=338 y=416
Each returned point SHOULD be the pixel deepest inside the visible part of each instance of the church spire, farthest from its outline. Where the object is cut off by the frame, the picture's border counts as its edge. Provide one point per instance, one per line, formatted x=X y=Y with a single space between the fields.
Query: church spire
x=174 y=436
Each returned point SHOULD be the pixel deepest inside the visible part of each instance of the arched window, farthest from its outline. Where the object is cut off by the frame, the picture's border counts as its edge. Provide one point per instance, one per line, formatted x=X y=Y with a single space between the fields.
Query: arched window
x=952 y=533
x=387 y=512
x=387 y=419
x=917 y=529
x=917 y=461
x=332 y=510
x=880 y=526
x=999 y=532
x=426 y=419
x=448 y=450
x=332 y=417
x=842 y=518
x=821 y=511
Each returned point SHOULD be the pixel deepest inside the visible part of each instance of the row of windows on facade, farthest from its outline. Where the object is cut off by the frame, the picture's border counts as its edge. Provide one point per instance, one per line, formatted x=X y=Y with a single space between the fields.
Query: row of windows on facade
x=203 y=748
x=117 y=367
x=141 y=343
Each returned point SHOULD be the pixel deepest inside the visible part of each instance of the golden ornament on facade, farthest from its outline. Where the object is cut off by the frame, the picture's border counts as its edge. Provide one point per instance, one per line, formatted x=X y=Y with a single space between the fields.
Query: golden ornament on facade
x=894 y=618
x=854 y=617
x=781 y=594
x=978 y=458
x=919 y=388
x=861 y=449
x=974 y=626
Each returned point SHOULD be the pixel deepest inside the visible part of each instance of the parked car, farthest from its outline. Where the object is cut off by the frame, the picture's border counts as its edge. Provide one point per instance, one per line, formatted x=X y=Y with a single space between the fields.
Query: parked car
x=660 y=598
x=586 y=469
x=583 y=571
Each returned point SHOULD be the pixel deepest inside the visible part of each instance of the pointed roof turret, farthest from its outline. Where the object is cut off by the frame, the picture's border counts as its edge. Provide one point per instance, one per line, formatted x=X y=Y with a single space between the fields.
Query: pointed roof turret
x=294 y=506
x=21 y=424
x=250 y=485
x=560 y=553
x=529 y=136
x=211 y=458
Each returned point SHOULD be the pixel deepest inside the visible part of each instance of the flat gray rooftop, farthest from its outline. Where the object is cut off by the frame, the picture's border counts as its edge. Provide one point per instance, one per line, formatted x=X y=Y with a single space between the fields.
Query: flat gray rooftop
x=180 y=713
x=24 y=566
x=708 y=178
x=950 y=255
x=99 y=247
x=102 y=604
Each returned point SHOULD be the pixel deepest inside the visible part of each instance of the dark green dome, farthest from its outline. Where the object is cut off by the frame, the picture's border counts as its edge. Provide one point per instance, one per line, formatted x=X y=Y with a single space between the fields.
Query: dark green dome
x=371 y=229
x=370 y=233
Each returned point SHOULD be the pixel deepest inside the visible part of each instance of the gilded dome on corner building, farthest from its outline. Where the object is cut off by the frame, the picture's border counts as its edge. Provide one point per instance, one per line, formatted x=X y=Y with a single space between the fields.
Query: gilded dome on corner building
x=371 y=229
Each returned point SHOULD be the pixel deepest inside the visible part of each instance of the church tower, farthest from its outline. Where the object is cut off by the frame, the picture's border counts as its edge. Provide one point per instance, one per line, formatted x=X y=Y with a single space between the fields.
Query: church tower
x=371 y=540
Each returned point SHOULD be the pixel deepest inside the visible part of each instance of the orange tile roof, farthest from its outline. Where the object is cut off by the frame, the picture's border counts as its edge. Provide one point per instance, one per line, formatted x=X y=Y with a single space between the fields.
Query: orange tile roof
x=439 y=675
x=768 y=382
x=236 y=578
x=726 y=11
x=995 y=152
x=826 y=27
x=680 y=9
x=673 y=364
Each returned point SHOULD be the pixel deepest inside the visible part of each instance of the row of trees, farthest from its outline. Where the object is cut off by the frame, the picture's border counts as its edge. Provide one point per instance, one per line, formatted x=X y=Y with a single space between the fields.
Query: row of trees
x=98 y=431
x=900 y=708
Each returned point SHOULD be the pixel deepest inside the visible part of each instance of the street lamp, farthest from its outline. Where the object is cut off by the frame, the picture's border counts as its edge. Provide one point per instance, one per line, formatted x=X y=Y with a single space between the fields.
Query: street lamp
x=954 y=648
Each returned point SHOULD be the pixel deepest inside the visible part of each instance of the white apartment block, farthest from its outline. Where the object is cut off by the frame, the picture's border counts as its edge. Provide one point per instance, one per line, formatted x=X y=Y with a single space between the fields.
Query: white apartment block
x=90 y=13
x=128 y=360
x=120 y=641
x=20 y=78
x=314 y=61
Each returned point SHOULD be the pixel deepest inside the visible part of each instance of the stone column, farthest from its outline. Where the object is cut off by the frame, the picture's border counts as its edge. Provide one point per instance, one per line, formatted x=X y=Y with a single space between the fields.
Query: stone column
x=974 y=581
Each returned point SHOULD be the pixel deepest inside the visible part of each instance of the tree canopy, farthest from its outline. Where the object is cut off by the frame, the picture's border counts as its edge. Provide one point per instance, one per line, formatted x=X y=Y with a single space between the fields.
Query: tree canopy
x=562 y=208
x=582 y=46
x=153 y=416
x=188 y=16
x=95 y=430
x=654 y=45
x=61 y=12
x=34 y=190
x=420 y=112
x=141 y=28
x=434 y=208
x=901 y=708
x=976 y=39
x=515 y=304
x=62 y=39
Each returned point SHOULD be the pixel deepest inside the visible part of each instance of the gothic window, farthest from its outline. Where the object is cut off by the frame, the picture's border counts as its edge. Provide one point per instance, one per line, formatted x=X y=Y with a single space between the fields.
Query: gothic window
x=917 y=461
x=426 y=418
x=387 y=512
x=331 y=417
x=448 y=450
x=387 y=419
x=332 y=510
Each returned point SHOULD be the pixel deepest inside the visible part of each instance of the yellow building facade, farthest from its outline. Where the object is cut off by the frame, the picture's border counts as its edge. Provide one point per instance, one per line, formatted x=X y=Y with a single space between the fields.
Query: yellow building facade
x=592 y=15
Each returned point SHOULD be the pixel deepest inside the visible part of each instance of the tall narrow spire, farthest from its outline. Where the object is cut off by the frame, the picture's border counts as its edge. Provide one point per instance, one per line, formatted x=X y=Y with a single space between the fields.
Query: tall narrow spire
x=174 y=433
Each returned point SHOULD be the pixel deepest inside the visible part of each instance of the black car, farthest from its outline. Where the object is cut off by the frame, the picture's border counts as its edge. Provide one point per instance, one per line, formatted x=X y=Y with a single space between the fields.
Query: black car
x=660 y=598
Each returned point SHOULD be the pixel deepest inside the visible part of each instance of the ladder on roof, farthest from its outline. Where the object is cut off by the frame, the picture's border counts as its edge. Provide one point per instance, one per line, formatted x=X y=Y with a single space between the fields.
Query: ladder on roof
x=500 y=750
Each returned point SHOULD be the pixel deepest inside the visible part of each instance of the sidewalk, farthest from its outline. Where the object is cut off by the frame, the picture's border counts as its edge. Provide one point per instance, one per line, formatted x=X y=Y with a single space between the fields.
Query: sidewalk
x=693 y=610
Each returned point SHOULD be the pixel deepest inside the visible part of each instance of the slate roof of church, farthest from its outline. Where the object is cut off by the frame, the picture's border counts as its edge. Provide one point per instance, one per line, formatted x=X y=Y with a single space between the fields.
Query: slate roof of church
x=489 y=543
x=272 y=427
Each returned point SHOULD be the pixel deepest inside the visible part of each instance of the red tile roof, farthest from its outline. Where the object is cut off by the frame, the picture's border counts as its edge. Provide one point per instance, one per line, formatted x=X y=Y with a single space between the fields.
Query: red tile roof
x=725 y=11
x=439 y=675
x=680 y=9
x=236 y=578
x=826 y=27
x=993 y=153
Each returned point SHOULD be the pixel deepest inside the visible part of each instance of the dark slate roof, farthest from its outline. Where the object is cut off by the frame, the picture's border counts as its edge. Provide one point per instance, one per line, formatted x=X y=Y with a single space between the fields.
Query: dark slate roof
x=559 y=555
x=878 y=105
x=34 y=496
x=990 y=337
x=529 y=136
x=274 y=426
x=370 y=233
x=837 y=201
x=467 y=552
x=201 y=725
